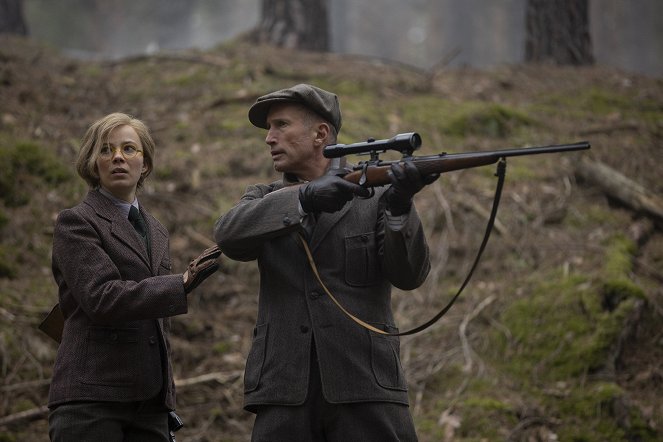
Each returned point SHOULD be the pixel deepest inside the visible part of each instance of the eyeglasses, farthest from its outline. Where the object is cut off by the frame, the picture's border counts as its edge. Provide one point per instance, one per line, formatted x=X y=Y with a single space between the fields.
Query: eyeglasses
x=128 y=151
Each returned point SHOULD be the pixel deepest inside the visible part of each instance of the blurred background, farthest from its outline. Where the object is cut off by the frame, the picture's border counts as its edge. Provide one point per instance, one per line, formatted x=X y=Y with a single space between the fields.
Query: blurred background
x=422 y=33
x=558 y=336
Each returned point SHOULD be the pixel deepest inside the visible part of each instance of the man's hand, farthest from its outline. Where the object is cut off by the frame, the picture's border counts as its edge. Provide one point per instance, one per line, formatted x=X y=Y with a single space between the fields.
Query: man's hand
x=329 y=193
x=201 y=268
x=406 y=181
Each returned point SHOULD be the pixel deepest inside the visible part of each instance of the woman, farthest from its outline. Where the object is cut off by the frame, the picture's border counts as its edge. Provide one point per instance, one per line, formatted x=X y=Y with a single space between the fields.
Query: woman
x=112 y=378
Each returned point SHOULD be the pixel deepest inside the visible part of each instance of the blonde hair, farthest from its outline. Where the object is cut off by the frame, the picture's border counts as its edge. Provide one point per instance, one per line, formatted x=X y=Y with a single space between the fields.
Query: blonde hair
x=97 y=135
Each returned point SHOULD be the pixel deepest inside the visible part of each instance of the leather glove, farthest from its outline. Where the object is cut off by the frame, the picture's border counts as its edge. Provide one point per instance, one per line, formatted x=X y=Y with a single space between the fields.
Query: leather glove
x=329 y=193
x=201 y=267
x=406 y=181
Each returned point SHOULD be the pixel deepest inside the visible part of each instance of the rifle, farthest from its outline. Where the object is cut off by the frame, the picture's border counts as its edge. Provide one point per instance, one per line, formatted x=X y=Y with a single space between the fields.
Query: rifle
x=374 y=172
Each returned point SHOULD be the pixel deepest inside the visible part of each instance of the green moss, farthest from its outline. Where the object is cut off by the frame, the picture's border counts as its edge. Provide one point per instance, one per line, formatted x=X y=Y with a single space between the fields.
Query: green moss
x=484 y=416
x=617 y=267
x=7 y=261
x=25 y=165
x=619 y=256
x=594 y=215
x=601 y=101
x=222 y=347
x=7 y=437
x=488 y=120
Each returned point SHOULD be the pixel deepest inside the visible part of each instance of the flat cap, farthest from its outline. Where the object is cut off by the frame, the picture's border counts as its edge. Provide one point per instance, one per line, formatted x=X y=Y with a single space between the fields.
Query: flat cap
x=318 y=100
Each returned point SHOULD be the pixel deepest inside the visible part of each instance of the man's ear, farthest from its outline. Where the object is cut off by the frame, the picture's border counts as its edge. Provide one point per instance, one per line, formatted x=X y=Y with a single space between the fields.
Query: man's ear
x=322 y=131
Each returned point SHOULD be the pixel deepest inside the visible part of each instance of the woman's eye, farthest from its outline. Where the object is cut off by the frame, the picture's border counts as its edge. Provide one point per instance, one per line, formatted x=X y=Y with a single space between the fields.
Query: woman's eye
x=105 y=150
x=129 y=150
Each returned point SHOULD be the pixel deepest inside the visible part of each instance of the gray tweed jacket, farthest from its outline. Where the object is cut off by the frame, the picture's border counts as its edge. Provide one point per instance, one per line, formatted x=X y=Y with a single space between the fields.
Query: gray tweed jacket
x=359 y=258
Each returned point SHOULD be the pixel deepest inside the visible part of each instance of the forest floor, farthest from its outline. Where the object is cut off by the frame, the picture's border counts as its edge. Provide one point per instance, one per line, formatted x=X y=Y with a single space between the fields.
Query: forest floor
x=557 y=337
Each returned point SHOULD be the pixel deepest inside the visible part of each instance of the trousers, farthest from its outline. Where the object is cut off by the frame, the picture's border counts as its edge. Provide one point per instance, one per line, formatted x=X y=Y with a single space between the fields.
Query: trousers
x=318 y=420
x=109 y=422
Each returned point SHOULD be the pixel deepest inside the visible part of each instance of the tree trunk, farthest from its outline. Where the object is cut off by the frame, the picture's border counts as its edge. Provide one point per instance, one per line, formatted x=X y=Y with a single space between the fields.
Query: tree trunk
x=295 y=24
x=558 y=32
x=11 y=17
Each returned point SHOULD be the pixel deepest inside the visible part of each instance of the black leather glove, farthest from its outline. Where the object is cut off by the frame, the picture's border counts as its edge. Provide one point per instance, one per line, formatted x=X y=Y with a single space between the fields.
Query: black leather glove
x=406 y=181
x=201 y=268
x=329 y=193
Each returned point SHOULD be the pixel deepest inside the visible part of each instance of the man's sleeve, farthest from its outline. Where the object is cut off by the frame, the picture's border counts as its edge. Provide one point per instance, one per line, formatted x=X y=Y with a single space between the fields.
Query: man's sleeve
x=259 y=215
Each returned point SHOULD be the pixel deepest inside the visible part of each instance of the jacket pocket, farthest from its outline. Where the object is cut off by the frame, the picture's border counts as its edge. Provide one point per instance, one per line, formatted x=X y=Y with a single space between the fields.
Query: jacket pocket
x=112 y=356
x=385 y=360
x=361 y=265
x=256 y=358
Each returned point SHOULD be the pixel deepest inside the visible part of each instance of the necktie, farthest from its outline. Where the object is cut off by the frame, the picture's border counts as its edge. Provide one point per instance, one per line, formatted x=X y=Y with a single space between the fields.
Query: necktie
x=138 y=222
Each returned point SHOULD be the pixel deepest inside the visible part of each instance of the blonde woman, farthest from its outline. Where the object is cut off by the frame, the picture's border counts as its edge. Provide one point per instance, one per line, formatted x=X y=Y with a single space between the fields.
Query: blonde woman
x=112 y=378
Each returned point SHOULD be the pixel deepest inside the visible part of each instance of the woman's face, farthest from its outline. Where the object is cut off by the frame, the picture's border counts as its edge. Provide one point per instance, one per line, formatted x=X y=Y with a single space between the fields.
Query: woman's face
x=119 y=171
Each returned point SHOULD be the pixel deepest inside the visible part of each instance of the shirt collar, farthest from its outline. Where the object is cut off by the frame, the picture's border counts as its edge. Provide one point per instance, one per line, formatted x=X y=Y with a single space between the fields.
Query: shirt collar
x=122 y=205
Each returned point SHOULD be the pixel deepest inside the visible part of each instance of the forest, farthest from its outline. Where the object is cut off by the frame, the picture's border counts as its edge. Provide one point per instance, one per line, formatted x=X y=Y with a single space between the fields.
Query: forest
x=556 y=337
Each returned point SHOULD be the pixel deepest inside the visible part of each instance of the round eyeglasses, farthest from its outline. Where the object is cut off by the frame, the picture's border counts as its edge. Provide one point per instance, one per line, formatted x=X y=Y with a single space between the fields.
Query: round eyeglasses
x=127 y=151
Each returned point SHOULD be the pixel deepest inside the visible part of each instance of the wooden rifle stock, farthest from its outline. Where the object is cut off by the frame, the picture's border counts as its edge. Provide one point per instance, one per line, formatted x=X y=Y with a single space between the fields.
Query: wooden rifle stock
x=375 y=174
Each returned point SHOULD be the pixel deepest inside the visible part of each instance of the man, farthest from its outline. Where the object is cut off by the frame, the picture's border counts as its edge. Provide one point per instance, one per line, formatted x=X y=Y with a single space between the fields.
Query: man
x=312 y=373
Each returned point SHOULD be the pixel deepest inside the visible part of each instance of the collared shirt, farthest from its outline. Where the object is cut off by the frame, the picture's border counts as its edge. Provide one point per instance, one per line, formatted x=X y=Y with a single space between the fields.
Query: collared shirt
x=122 y=205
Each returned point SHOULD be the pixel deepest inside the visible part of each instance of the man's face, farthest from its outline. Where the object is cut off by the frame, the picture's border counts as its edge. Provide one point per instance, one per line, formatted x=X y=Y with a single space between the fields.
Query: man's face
x=294 y=141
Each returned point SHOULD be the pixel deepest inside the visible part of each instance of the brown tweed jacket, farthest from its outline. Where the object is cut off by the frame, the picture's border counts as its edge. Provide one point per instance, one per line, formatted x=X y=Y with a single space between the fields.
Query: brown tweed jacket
x=114 y=300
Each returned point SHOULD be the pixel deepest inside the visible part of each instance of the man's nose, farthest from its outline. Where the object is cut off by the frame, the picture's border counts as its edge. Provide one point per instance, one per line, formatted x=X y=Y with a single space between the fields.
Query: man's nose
x=270 y=138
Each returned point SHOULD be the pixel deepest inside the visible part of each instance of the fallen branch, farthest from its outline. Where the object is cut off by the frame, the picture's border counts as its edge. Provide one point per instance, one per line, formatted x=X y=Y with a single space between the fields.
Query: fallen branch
x=24 y=385
x=218 y=376
x=621 y=188
x=27 y=415
x=41 y=412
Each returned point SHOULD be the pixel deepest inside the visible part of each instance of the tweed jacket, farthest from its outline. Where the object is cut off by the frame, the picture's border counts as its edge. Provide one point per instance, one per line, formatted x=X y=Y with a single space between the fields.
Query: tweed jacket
x=359 y=258
x=115 y=340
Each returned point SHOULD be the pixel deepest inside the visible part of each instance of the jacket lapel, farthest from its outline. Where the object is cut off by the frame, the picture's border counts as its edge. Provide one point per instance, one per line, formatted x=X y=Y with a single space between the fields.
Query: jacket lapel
x=158 y=241
x=324 y=224
x=120 y=226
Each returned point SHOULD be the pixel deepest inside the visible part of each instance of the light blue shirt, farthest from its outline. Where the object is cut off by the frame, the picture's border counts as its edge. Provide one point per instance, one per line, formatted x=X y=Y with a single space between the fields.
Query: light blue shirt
x=122 y=205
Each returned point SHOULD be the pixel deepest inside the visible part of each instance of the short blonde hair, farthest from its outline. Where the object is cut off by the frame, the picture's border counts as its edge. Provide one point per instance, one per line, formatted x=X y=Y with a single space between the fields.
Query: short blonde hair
x=97 y=135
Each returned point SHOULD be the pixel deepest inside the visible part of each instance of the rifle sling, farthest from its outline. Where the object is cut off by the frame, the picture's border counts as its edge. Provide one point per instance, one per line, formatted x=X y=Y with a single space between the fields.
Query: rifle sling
x=501 y=173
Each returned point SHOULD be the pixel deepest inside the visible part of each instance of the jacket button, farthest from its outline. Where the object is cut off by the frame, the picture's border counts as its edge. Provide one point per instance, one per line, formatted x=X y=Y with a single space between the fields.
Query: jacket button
x=113 y=337
x=152 y=340
x=303 y=329
x=287 y=221
x=314 y=295
x=364 y=238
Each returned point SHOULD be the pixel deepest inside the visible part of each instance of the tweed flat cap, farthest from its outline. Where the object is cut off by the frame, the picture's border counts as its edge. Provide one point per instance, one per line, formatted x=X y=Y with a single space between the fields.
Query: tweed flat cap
x=318 y=100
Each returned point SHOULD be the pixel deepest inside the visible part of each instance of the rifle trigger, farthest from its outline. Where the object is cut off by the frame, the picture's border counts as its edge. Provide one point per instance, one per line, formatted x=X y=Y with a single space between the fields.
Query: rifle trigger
x=363 y=178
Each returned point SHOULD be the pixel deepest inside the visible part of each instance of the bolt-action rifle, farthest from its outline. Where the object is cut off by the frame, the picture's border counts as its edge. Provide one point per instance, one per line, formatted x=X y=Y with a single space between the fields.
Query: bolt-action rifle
x=373 y=172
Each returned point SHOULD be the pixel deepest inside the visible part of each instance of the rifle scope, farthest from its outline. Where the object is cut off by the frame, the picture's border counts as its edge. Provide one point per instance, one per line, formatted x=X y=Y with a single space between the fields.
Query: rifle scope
x=405 y=143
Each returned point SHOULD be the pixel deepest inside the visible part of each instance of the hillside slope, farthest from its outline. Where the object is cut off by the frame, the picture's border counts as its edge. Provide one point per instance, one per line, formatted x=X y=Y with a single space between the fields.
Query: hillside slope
x=558 y=335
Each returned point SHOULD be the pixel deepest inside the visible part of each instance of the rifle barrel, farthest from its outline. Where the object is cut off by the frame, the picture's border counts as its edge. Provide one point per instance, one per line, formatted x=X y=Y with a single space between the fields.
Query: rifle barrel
x=376 y=175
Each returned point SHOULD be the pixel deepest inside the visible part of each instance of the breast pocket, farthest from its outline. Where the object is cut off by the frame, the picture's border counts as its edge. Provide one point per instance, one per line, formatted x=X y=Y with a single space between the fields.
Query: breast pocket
x=112 y=356
x=361 y=264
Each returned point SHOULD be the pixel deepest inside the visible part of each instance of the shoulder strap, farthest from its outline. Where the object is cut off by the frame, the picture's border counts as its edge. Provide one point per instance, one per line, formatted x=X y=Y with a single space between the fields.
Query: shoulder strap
x=501 y=173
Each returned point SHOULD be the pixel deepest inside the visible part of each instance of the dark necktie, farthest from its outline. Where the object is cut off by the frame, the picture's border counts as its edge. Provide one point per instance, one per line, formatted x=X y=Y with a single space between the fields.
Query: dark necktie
x=138 y=222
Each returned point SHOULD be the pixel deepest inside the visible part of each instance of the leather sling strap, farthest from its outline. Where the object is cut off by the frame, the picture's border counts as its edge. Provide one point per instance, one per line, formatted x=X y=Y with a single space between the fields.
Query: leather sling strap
x=501 y=173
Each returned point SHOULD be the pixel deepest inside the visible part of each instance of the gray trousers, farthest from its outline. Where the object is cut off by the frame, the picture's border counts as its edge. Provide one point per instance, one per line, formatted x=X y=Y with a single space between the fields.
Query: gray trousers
x=109 y=422
x=320 y=421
